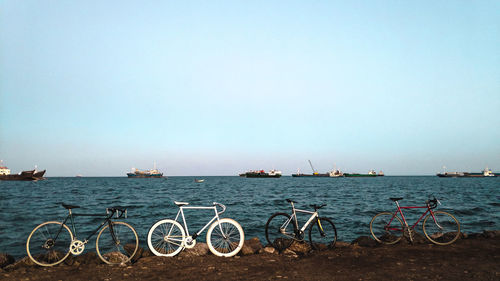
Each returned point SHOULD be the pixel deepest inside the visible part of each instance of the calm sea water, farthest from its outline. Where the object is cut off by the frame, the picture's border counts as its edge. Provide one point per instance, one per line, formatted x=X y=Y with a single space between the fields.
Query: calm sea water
x=351 y=202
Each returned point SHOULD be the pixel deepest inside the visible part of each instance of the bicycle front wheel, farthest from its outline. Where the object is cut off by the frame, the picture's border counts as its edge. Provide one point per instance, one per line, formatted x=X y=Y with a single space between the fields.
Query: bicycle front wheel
x=280 y=231
x=443 y=229
x=225 y=237
x=48 y=244
x=322 y=234
x=386 y=228
x=165 y=238
x=117 y=243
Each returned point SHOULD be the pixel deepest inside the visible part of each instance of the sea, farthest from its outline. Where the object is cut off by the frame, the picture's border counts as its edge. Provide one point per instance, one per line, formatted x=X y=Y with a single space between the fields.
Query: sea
x=350 y=202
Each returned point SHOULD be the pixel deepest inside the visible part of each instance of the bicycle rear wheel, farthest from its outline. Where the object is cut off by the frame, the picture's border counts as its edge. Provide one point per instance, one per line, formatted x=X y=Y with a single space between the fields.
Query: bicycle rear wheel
x=165 y=238
x=322 y=234
x=225 y=237
x=118 y=244
x=48 y=244
x=280 y=231
x=386 y=228
x=443 y=230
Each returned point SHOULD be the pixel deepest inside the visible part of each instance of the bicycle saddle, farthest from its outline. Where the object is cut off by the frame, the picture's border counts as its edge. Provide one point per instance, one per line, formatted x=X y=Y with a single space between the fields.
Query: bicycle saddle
x=290 y=201
x=180 y=203
x=317 y=206
x=70 y=206
x=396 y=199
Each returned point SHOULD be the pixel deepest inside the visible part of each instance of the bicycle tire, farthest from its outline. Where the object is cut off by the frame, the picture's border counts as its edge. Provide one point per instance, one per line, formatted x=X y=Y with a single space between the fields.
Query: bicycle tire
x=229 y=246
x=166 y=238
x=326 y=234
x=380 y=231
x=42 y=246
x=446 y=220
x=119 y=249
x=277 y=236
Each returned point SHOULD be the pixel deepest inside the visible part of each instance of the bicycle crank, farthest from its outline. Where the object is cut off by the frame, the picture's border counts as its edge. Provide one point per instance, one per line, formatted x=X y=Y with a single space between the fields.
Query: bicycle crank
x=189 y=242
x=76 y=247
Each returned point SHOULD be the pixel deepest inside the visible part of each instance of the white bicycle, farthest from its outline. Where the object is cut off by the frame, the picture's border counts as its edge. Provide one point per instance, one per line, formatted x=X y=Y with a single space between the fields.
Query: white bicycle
x=168 y=237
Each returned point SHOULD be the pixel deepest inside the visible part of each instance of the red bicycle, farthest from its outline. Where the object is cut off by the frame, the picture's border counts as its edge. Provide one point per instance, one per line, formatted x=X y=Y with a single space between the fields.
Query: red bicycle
x=439 y=227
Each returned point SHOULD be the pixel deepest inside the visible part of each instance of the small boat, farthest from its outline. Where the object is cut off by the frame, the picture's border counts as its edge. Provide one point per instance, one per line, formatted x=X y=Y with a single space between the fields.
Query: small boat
x=79 y=176
x=199 y=180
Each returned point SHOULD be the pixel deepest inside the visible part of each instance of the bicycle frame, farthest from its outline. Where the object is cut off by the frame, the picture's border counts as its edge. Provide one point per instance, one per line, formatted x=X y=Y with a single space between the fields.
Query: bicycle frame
x=294 y=217
x=181 y=212
x=70 y=217
x=399 y=210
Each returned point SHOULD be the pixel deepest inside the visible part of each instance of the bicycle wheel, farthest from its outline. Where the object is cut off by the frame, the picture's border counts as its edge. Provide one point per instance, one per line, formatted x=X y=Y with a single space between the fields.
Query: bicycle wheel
x=118 y=244
x=225 y=237
x=386 y=228
x=322 y=234
x=280 y=231
x=165 y=238
x=444 y=229
x=48 y=244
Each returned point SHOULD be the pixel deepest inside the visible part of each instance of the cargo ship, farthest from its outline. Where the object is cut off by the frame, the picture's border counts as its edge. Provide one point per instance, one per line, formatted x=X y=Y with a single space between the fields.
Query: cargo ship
x=32 y=175
x=153 y=173
x=314 y=174
x=261 y=174
x=371 y=173
x=486 y=173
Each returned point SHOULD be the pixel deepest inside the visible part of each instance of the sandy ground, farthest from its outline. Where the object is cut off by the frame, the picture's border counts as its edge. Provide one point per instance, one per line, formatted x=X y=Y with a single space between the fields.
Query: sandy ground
x=474 y=258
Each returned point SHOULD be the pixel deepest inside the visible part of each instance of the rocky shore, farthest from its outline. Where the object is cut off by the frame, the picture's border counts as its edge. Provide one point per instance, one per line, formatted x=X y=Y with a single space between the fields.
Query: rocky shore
x=473 y=257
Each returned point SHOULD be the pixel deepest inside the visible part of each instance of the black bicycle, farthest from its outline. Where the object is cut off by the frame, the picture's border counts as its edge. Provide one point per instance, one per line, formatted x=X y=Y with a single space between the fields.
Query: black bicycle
x=282 y=229
x=51 y=242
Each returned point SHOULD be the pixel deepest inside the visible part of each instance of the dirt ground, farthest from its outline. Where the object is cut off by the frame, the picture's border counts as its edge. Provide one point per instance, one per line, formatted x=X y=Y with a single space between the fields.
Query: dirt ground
x=467 y=259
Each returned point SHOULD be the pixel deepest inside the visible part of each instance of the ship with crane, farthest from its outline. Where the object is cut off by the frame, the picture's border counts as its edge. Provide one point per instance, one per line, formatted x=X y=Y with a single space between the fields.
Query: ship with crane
x=335 y=173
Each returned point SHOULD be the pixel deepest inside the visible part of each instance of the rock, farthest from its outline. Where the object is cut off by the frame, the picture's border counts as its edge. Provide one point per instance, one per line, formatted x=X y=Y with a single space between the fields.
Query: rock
x=115 y=257
x=138 y=254
x=364 y=241
x=342 y=244
x=301 y=248
x=200 y=249
x=417 y=238
x=288 y=252
x=24 y=262
x=6 y=259
x=491 y=233
x=268 y=250
x=147 y=253
x=251 y=247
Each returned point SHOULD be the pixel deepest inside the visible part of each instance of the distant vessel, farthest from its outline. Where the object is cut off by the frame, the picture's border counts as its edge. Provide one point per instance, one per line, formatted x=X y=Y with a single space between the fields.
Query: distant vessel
x=152 y=173
x=371 y=173
x=79 y=176
x=485 y=173
x=32 y=175
x=262 y=174
x=335 y=173
x=39 y=174
x=314 y=174
x=199 y=180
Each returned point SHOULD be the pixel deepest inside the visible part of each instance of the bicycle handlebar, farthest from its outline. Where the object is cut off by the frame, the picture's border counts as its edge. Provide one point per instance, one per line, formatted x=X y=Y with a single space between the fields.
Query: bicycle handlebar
x=116 y=210
x=432 y=203
x=222 y=206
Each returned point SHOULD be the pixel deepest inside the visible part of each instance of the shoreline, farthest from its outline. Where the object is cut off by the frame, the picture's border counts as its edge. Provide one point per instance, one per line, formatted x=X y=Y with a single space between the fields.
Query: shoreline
x=474 y=256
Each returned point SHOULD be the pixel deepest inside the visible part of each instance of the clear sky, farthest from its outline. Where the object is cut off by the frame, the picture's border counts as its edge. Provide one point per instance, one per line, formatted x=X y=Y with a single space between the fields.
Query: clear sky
x=220 y=87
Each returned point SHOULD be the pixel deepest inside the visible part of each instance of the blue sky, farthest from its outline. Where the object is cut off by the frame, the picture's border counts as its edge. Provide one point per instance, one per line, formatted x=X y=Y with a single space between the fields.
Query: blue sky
x=220 y=87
